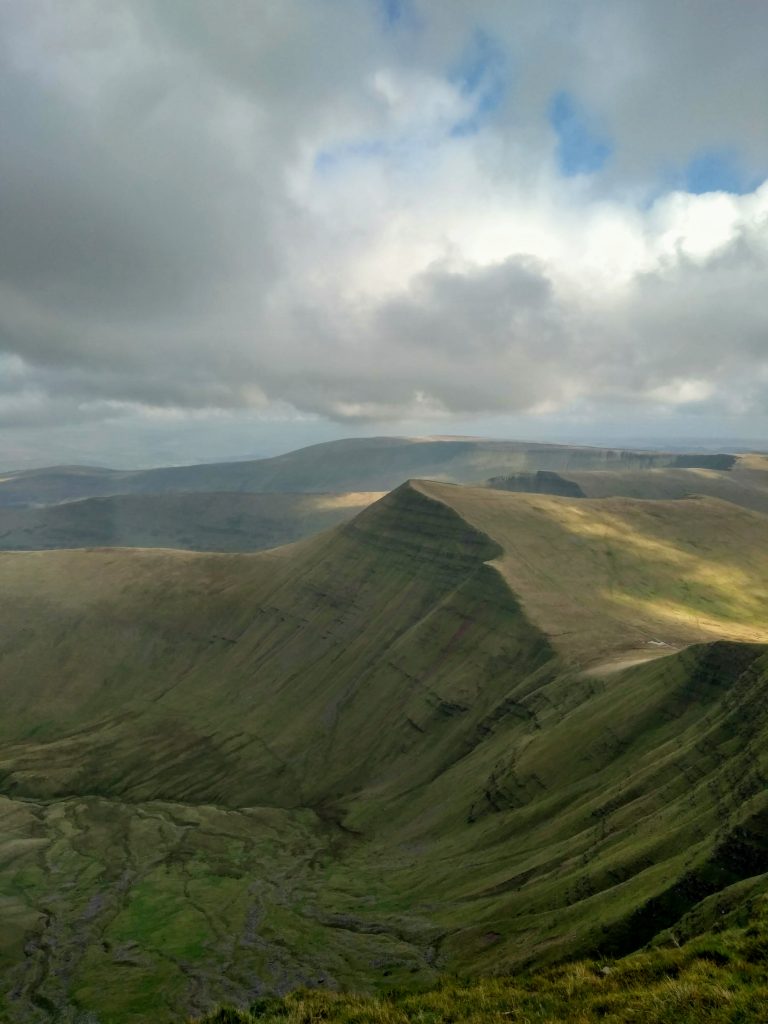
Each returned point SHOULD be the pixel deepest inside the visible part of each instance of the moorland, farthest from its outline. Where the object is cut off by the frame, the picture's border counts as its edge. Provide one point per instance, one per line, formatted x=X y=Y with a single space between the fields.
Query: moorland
x=466 y=742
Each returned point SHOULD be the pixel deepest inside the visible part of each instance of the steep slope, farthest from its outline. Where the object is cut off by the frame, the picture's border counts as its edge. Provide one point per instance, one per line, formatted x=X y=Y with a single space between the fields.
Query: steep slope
x=356 y=464
x=618 y=577
x=376 y=752
x=594 y=817
x=200 y=522
x=716 y=978
x=315 y=648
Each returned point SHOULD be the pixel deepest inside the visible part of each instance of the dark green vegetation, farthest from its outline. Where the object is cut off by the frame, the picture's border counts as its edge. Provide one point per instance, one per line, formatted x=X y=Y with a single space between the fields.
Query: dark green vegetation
x=357 y=464
x=542 y=482
x=198 y=522
x=717 y=978
x=377 y=754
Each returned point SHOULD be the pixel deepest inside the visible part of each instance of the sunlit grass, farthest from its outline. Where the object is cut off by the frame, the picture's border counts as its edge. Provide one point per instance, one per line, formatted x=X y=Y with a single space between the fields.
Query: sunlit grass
x=609 y=576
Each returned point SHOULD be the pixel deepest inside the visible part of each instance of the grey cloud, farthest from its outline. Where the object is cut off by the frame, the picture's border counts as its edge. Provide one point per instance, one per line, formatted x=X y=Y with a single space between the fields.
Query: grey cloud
x=461 y=340
x=154 y=251
x=469 y=312
x=665 y=80
x=698 y=81
x=706 y=319
x=119 y=222
x=502 y=338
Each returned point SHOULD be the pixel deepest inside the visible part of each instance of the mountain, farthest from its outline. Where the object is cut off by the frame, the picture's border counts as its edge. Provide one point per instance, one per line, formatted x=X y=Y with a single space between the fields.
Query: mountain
x=202 y=522
x=744 y=482
x=467 y=730
x=356 y=464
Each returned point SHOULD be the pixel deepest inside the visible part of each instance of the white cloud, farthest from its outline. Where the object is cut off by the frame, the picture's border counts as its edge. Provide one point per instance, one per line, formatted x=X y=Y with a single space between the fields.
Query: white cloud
x=294 y=206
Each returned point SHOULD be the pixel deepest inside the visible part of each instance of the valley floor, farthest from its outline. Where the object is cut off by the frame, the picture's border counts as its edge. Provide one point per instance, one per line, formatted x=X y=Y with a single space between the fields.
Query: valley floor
x=140 y=909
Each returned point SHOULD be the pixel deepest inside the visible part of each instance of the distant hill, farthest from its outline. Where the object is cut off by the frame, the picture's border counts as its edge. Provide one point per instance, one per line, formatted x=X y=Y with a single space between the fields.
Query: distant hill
x=745 y=483
x=357 y=464
x=201 y=522
x=541 y=482
x=409 y=744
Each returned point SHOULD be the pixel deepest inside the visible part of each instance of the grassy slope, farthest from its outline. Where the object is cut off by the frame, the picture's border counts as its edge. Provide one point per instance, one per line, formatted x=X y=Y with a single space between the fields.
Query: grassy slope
x=746 y=484
x=654 y=573
x=370 y=464
x=719 y=978
x=202 y=522
x=357 y=760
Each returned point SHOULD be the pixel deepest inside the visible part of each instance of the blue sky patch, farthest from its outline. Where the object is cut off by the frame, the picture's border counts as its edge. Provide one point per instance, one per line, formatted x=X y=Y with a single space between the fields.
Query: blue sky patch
x=392 y=11
x=581 y=147
x=718 y=170
x=328 y=160
x=481 y=75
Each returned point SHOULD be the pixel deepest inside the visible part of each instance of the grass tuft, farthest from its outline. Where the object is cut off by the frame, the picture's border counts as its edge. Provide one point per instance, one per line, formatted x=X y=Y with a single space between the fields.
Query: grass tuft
x=715 y=980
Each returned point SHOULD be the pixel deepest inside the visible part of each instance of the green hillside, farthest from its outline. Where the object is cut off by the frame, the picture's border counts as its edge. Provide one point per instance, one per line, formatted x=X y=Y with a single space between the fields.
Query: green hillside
x=200 y=522
x=378 y=754
x=744 y=483
x=355 y=464
x=617 y=577
x=717 y=978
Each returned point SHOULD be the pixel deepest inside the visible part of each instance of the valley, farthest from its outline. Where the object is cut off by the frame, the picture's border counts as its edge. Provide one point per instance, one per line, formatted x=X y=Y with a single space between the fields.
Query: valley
x=209 y=521
x=442 y=736
x=383 y=512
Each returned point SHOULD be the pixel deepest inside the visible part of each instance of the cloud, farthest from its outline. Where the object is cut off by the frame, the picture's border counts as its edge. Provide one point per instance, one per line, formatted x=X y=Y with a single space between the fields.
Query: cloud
x=371 y=211
x=686 y=329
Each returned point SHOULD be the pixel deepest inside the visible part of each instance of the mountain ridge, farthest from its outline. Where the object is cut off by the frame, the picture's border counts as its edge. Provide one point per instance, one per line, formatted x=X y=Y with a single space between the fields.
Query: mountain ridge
x=361 y=760
x=745 y=483
x=353 y=464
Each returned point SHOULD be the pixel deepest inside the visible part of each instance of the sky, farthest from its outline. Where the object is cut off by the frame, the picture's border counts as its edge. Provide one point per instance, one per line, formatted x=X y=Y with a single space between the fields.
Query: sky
x=230 y=229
